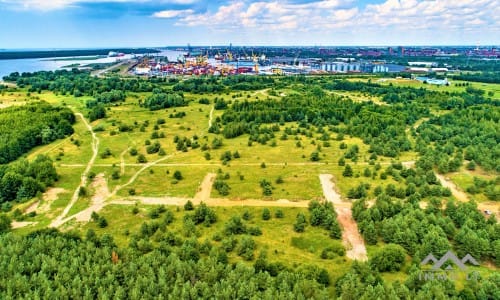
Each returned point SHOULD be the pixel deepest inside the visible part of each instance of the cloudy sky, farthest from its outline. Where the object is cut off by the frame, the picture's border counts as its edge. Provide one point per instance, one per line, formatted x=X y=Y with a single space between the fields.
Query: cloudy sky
x=133 y=23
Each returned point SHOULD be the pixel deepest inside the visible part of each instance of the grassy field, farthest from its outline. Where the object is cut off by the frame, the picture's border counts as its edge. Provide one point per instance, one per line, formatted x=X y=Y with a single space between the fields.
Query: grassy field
x=278 y=238
x=285 y=163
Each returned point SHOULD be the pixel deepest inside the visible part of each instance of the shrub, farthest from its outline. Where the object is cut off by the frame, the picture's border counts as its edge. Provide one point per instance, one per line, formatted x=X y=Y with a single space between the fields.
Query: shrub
x=189 y=205
x=266 y=214
x=300 y=223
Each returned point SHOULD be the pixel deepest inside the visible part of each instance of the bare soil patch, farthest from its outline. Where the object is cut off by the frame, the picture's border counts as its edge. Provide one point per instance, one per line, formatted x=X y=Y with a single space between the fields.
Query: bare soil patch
x=16 y=224
x=203 y=194
x=352 y=240
x=101 y=193
x=49 y=196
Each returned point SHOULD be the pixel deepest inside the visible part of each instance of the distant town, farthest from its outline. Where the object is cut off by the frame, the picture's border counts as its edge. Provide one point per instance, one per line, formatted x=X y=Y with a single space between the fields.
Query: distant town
x=233 y=60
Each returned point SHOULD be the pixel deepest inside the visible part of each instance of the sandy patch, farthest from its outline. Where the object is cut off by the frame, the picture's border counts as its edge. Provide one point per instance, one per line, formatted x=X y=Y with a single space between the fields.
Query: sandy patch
x=352 y=240
x=203 y=194
x=16 y=224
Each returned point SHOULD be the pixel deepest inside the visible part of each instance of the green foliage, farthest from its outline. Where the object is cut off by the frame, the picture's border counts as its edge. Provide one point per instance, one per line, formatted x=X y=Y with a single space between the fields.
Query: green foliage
x=35 y=124
x=141 y=159
x=246 y=247
x=97 y=112
x=279 y=214
x=266 y=214
x=5 y=223
x=390 y=258
x=188 y=205
x=178 y=175
x=160 y=100
x=300 y=223
x=186 y=259
x=203 y=214
x=235 y=226
x=267 y=188
x=332 y=251
x=324 y=215
x=22 y=180
x=347 y=171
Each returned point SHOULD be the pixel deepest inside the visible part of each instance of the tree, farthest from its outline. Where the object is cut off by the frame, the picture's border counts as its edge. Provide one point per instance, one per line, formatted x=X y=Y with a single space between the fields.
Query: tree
x=347 y=171
x=300 y=223
x=315 y=156
x=188 y=205
x=390 y=258
x=266 y=214
x=5 y=223
x=141 y=159
x=178 y=175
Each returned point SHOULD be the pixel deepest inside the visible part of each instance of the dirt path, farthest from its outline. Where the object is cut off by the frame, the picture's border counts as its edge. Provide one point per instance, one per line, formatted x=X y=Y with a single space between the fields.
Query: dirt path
x=493 y=207
x=122 y=161
x=83 y=181
x=101 y=193
x=16 y=224
x=351 y=238
x=461 y=196
x=203 y=194
x=329 y=189
x=33 y=207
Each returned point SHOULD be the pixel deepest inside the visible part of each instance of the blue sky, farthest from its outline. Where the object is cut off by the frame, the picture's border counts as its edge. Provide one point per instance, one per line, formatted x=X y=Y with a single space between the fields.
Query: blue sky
x=136 y=23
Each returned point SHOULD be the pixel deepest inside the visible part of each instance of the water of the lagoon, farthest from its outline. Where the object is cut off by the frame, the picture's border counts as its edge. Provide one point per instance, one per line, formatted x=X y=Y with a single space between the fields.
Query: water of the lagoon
x=49 y=64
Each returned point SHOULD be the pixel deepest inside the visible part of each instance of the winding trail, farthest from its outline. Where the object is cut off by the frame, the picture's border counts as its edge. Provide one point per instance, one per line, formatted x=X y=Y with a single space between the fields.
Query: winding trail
x=83 y=181
x=351 y=238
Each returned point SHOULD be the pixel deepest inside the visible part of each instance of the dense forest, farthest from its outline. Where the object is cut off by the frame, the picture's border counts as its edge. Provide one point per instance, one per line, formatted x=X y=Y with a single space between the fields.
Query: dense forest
x=163 y=262
x=36 y=124
x=22 y=180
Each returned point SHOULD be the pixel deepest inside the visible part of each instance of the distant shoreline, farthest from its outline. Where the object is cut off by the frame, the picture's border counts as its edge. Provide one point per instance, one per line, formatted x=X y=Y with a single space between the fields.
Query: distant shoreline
x=4 y=55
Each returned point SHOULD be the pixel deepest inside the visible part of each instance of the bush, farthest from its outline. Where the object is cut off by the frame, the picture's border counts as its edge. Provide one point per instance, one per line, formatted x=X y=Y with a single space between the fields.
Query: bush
x=115 y=175
x=300 y=223
x=332 y=251
x=178 y=175
x=101 y=222
x=266 y=214
x=189 y=205
x=82 y=191
x=279 y=214
x=133 y=152
x=390 y=258
x=235 y=226
x=141 y=159
x=246 y=248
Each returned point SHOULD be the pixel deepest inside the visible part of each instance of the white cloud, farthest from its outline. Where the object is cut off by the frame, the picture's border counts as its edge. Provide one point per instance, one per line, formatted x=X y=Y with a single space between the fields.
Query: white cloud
x=168 y=14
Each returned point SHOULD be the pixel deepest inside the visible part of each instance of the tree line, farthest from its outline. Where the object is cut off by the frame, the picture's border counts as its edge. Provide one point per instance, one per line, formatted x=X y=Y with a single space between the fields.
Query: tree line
x=35 y=124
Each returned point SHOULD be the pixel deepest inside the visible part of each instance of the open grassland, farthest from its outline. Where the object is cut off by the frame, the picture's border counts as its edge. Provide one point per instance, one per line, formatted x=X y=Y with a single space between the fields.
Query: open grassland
x=278 y=239
x=289 y=164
